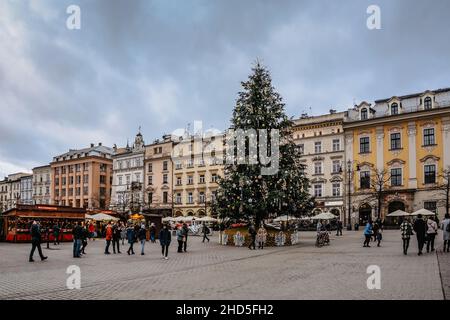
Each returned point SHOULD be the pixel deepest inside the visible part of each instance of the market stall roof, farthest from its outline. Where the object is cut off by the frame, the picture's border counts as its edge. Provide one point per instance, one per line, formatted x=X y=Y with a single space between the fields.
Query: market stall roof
x=324 y=216
x=398 y=213
x=423 y=212
x=168 y=219
x=285 y=218
x=88 y=216
x=206 y=219
x=103 y=217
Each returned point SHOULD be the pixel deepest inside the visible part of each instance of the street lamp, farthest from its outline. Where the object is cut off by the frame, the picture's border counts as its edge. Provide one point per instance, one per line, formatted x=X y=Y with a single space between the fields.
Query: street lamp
x=350 y=172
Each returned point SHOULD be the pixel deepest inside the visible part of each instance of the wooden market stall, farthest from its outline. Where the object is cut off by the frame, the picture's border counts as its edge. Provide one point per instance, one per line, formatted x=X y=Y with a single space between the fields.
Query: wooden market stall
x=17 y=221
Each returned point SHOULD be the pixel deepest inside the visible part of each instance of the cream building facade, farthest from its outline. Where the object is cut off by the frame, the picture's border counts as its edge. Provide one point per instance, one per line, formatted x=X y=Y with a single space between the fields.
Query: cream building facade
x=128 y=177
x=42 y=179
x=321 y=142
x=26 y=189
x=198 y=163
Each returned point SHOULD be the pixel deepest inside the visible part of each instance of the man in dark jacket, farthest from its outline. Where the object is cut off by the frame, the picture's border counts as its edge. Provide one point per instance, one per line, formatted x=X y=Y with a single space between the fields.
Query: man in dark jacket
x=164 y=239
x=77 y=234
x=185 y=230
x=116 y=237
x=205 y=232
x=420 y=229
x=36 y=241
x=84 y=237
x=56 y=230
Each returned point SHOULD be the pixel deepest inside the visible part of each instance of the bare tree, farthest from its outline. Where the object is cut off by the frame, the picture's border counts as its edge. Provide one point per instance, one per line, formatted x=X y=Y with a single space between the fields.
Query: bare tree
x=444 y=188
x=377 y=183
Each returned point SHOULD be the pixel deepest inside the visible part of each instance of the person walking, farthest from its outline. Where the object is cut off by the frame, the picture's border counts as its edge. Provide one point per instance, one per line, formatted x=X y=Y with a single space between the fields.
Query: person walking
x=142 y=235
x=185 y=235
x=406 y=229
x=116 y=237
x=123 y=232
x=108 y=237
x=261 y=237
x=36 y=241
x=152 y=233
x=76 y=232
x=205 y=231
x=446 y=232
x=377 y=235
x=339 y=228
x=84 y=237
x=180 y=239
x=368 y=230
x=164 y=239
x=420 y=229
x=432 y=230
x=56 y=230
x=252 y=233
x=131 y=237
x=91 y=231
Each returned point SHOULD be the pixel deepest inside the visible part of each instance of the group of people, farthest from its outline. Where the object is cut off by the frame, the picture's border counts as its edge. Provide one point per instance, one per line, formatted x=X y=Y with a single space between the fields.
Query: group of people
x=373 y=231
x=426 y=232
x=259 y=236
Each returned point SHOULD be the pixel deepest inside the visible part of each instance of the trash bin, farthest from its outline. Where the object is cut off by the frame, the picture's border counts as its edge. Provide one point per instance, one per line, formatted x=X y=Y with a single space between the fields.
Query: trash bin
x=356 y=226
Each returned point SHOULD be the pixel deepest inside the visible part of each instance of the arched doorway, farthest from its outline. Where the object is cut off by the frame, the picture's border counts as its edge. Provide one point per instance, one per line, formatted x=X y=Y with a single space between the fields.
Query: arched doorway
x=178 y=213
x=365 y=214
x=396 y=205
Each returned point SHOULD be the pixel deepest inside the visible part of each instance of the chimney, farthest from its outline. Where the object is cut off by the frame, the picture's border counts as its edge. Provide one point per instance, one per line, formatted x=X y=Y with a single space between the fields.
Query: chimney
x=92 y=145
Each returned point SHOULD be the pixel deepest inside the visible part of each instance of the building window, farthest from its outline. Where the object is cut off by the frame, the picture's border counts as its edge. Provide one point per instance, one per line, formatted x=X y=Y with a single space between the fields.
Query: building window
x=165 y=165
x=103 y=179
x=150 y=167
x=430 y=173
x=190 y=180
x=336 y=166
x=396 y=177
x=178 y=166
x=202 y=178
x=128 y=178
x=364 y=180
x=427 y=105
x=120 y=180
x=364 y=145
x=364 y=114
x=178 y=198
x=165 y=178
x=336 y=145
x=428 y=137
x=85 y=190
x=178 y=181
x=317 y=190
x=336 y=189
x=201 y=197
x=301 y=149
x=430 y=205
x=318 y=168
x=150 y=197
x=214 y=178
x=165 y=196
x=150 y=180
x=395 y=141
x=318 y=147
x=190 y=198
x=394 y=109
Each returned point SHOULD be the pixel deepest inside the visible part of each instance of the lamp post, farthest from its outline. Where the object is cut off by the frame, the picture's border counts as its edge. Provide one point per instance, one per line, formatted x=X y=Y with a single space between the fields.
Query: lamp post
x=350 y=172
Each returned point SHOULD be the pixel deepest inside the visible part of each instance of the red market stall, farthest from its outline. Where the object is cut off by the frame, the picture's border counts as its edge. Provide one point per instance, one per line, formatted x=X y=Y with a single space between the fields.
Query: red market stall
x=17 y=221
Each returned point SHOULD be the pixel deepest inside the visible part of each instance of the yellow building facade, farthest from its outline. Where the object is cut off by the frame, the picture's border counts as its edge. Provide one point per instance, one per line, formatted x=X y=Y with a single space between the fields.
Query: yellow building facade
x=404 y=142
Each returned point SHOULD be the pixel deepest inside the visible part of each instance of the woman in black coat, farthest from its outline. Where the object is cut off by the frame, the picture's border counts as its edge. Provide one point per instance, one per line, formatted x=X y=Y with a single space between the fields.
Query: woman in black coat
x=164 y=239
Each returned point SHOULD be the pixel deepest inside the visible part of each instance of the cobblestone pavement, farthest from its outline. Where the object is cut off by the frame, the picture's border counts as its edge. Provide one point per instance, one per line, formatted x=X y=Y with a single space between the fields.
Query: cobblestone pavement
x=212 y=271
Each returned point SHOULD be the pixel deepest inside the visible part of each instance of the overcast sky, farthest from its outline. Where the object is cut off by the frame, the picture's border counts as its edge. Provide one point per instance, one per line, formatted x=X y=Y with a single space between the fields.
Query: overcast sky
x=164 y=64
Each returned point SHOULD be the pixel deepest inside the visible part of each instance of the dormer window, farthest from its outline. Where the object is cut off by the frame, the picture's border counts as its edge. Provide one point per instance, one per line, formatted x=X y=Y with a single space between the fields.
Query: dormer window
x=394 y=109
x=364 y=114
x=427 y=103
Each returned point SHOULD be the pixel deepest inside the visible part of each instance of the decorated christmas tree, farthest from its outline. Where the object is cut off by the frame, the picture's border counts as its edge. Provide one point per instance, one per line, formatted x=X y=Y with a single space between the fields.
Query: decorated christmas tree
x=245 y=191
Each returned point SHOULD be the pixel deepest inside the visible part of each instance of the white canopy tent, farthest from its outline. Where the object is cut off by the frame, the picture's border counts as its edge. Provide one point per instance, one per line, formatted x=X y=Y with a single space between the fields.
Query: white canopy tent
x=423 y=212
x=206 y=219
x=324 y=216
x=103 y=217
x=285 y=218
x=398 y=213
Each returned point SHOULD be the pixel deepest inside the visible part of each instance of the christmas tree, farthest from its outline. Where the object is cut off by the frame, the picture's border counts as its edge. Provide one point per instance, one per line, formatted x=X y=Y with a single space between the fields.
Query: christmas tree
x=244 y=192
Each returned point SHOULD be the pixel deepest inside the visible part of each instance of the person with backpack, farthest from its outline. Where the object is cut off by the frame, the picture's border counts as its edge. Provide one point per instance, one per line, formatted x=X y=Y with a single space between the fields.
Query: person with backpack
x=446 y=232
x=407 y=231
x=252 y=233
x=131 y=237
x=205 y=232
x=432 y=230
x=164 y=239
x=368 y=231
